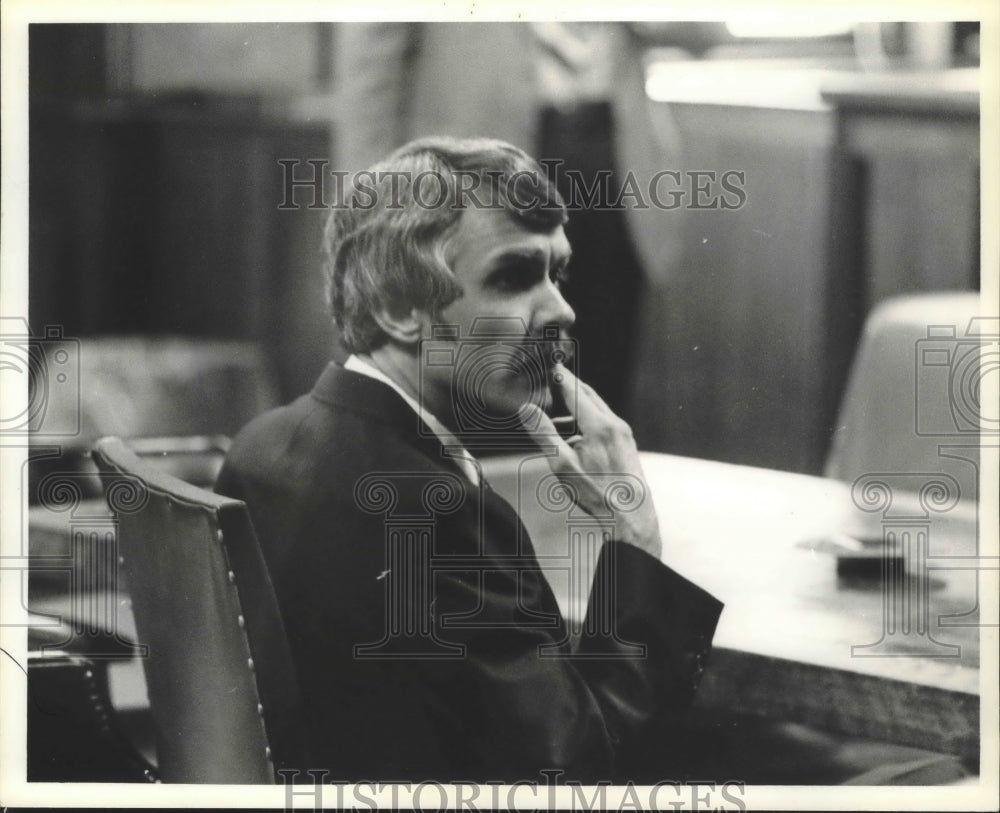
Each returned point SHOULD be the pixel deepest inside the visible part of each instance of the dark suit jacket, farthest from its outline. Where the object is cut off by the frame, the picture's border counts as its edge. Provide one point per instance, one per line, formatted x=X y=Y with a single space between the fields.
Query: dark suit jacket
x=412 y=669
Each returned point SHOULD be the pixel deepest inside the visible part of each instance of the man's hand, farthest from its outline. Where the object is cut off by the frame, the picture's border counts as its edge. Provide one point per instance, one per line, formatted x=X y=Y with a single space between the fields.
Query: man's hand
x=589 y=461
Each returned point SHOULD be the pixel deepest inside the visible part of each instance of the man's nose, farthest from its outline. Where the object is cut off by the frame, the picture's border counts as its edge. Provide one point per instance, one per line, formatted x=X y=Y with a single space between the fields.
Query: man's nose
x=554 y=309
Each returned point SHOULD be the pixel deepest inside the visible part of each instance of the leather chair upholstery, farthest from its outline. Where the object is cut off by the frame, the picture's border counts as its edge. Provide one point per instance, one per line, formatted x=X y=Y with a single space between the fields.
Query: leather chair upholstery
x=73 y=733
x=221 y=687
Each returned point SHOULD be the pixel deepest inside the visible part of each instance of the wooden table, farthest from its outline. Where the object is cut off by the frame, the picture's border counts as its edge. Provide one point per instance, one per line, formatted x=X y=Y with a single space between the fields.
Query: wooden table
x=795 y=640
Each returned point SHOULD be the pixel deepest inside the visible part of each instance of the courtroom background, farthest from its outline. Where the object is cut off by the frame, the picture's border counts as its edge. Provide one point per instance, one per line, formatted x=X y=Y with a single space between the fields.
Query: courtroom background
x=155 y=193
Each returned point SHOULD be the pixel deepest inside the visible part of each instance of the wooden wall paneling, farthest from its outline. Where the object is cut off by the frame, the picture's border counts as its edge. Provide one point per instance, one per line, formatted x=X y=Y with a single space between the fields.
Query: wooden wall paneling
x=844 y=287
x=89 y=237
x=300 y=333
x=742 y=337
x=210 y=241
x=117 y=272
x=920 y=207
x=231 y=262
x=918 y=137
x=145 y=220
x=50 y=180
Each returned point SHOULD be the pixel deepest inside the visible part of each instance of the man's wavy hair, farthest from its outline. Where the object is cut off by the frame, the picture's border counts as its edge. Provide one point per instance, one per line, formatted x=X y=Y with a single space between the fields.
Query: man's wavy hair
x=386 y=241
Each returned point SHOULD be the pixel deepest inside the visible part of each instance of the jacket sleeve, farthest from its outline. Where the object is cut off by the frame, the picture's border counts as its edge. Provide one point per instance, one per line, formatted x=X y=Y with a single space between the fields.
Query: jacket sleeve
x=601 y=710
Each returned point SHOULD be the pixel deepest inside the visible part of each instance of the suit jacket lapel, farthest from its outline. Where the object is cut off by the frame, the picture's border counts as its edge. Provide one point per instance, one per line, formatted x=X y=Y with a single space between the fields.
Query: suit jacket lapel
x=363 y=395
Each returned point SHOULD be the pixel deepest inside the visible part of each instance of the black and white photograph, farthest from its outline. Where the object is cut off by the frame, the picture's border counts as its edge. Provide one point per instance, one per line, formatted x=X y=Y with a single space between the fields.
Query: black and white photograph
x=465 y=406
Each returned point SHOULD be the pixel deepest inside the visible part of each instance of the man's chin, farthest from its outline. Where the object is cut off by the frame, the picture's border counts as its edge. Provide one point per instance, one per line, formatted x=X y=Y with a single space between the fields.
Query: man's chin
x=521 y=393
x=508 y=402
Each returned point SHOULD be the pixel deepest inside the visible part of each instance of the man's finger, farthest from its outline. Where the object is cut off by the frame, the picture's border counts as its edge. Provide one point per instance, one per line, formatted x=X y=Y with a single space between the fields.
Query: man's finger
x=595 y=397
x=578 y=386
x=601 y=403
x=582 y=405
x=540 y=427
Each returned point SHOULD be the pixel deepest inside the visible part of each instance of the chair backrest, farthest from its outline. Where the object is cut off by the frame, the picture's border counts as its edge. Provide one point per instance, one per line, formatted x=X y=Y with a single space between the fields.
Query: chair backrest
x=910 y=405
x=221 y=686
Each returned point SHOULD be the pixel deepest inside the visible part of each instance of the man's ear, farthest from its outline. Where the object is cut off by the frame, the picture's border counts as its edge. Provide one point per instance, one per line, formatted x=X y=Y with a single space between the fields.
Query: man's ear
x=405 y=328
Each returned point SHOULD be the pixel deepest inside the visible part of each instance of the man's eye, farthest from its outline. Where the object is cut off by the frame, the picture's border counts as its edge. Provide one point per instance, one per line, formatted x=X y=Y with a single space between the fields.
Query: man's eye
x=514 y=279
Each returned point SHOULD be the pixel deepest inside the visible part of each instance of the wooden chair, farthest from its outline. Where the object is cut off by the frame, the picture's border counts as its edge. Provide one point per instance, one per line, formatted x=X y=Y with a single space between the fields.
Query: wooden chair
x=219 y=674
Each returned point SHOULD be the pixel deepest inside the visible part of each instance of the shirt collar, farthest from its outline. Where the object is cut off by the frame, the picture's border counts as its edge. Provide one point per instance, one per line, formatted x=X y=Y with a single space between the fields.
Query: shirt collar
x=452 y=445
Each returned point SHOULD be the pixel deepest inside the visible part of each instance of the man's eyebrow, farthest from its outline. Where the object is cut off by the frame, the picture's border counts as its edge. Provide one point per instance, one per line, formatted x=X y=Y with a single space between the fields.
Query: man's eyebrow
x=532 y=256
x=518 y=255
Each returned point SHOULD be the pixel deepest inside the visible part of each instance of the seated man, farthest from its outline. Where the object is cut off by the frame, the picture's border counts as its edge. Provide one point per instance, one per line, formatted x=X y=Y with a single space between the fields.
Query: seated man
x=428 y=643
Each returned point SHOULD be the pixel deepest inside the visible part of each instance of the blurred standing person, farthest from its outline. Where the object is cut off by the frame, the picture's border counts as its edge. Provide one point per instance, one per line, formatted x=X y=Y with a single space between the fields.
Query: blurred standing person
x=572 y=90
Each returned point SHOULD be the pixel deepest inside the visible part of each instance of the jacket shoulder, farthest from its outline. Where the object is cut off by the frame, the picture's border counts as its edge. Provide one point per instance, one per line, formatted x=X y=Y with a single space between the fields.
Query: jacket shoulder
x=309 y=442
